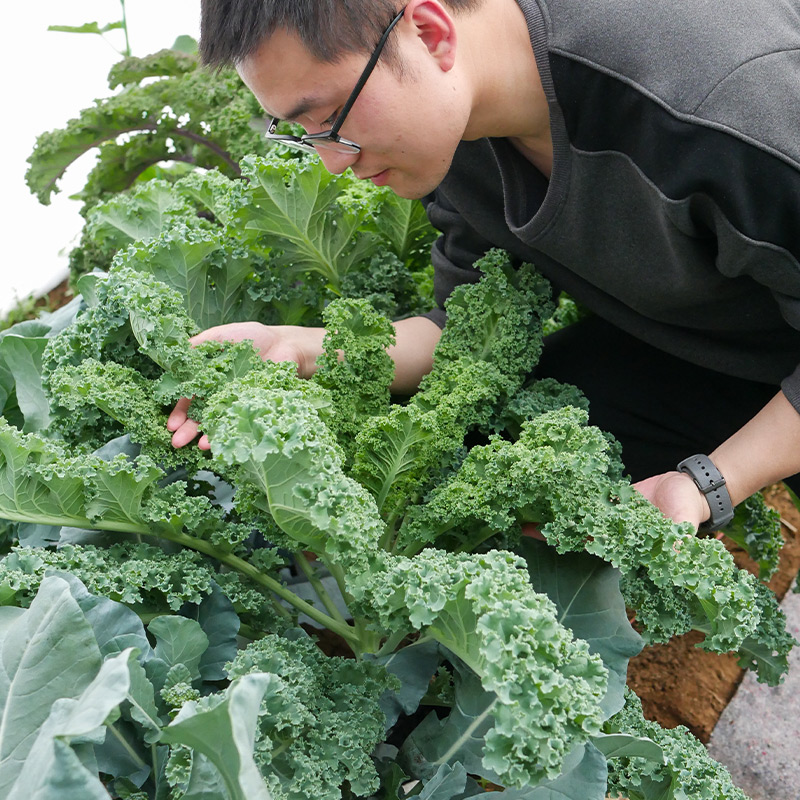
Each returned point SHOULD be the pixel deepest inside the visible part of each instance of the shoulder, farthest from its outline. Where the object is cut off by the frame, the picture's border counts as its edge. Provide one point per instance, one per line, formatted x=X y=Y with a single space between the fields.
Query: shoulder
x=732 y=65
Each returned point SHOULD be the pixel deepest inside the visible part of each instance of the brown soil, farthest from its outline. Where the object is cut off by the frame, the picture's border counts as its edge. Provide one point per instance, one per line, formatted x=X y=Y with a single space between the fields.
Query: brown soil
x=679 y=684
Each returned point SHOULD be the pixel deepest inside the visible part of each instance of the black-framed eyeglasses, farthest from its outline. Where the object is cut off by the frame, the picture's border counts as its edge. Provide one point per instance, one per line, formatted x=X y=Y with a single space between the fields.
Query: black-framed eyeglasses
x=330 y=140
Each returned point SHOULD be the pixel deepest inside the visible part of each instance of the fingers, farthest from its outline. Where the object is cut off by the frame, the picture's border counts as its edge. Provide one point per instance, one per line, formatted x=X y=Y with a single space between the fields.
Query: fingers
x=186 y=433
x=179 y=414
x=185 y=430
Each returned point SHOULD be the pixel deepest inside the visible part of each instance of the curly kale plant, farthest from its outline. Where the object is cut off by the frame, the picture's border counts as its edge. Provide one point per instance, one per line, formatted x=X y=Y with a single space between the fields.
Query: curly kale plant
x=168 y=109
x=335 y=599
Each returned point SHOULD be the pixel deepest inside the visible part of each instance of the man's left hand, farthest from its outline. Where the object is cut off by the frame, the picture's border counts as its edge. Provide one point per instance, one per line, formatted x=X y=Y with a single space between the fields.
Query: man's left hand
x=677 y=496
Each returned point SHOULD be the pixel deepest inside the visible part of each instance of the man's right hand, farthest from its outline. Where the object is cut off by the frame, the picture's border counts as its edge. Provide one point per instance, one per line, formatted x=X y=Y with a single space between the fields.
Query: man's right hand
x=412 y=355
x=273 y=342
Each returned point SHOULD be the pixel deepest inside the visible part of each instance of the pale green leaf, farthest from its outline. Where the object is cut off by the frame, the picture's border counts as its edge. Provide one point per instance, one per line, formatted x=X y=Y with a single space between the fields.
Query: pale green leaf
x=459 y=738
x=22 y=356
x=178 y=641
x=185 y=44
x=447 y=783
x=225 y=734
x=295 y=205
x=617 y=745
x=414 y=666
x=47 y=654
x=53 y=770
x=586 y=593
x=87 y=27
x=220 y=623
x=116 y=627
x=141 y=698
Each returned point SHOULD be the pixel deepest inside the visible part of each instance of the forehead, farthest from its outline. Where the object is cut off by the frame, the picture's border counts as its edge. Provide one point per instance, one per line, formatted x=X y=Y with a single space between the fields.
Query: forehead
x=289 y=80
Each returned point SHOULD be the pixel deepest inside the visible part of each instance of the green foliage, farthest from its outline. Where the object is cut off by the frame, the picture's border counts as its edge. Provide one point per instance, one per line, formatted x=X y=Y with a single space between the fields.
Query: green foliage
x=685 y=771
x=461 y=653
x=560 y=475
x=187 y=114
x=756 y=528
x=317 y=729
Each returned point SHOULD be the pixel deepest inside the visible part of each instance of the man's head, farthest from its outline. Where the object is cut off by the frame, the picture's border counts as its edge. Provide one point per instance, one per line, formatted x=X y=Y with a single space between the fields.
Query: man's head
x=302 y=58
x=232 y=30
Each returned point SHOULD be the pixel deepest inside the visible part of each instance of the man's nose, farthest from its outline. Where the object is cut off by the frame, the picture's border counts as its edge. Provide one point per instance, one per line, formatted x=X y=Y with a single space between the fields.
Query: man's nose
x=336 y=162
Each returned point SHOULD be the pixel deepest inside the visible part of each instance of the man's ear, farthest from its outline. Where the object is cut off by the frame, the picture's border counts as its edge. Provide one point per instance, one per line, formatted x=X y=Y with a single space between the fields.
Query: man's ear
x=435 y=28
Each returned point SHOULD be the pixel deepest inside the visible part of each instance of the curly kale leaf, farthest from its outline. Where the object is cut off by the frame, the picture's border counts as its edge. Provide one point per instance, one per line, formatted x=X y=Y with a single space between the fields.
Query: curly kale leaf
x=546 y=687
x=188 y=115
x=293 y=206
x=533 y=399
x=125 y=396
x=491 y=342
x=687 y=773
x=757 y=529
x=401 y=223
x=212 y=272
x=358 y=381
x=319 y=731
x=556 y=475
x=287 y=453
x=387 y=284
x=143 y=577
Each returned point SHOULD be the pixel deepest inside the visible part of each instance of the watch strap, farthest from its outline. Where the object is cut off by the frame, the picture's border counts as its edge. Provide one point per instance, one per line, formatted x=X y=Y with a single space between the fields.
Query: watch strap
x=701 y=469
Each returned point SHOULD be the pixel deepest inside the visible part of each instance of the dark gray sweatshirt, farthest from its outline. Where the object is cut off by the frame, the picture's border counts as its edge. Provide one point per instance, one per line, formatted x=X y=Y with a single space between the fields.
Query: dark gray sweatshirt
x=673 y=210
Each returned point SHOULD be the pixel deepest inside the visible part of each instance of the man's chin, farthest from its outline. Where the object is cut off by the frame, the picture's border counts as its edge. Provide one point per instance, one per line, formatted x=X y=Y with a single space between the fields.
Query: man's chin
x=411 y=190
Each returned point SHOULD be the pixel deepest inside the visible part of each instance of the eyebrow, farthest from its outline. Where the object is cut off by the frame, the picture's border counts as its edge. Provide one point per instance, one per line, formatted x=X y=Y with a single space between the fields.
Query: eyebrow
x=303 y=107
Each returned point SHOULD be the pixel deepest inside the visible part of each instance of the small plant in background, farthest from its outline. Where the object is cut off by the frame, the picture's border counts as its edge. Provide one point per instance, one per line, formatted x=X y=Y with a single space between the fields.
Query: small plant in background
x=96 y=29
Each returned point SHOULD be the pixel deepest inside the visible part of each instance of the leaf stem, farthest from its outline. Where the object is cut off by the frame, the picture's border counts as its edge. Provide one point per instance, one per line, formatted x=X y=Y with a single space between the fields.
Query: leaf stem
x=347 y=632
x=127 y=51
x=128 y=749
x=310 y=573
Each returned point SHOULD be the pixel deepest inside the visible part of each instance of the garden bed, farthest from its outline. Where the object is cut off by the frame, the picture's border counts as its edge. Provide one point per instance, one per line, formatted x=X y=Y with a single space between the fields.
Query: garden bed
x=678 y=683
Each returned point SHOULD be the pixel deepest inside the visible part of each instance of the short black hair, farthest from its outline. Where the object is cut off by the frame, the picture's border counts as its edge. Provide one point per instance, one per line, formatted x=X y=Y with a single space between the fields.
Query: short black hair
x=232 y=30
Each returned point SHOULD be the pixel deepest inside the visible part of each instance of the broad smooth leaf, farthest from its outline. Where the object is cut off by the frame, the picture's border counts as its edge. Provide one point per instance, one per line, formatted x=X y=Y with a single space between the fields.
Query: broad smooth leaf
x=585 y=781
x=22 y=356
x=47 y=654
x=142 y=701
x=586 y=593
x=617 y=745
x=205 y=781
x=447 y=783
x=225 y=734
x=457 y=739
x=53 y=771
x=178 y=641
x=122 y=754
x=220 y=623
x=414 y=666
x=115 y=626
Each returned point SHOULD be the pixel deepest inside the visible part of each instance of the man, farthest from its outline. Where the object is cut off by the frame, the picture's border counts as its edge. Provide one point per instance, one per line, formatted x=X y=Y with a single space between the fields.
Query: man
x=643 y=154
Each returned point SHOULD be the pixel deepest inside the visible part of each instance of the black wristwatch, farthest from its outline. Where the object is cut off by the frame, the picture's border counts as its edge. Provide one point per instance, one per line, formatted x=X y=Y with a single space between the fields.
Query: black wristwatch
x=709 y=480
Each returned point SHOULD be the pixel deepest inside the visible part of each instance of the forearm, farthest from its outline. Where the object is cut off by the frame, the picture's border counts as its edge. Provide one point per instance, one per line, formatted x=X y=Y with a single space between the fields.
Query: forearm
x=764 y=451
x=412 y=353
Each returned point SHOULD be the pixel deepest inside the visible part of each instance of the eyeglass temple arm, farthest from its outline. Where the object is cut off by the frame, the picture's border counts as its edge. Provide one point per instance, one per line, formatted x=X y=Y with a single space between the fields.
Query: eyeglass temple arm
x=366 y=73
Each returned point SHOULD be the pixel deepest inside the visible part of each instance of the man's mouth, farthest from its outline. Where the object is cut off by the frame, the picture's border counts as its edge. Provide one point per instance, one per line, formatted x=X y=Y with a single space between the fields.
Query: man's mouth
x=379 y=178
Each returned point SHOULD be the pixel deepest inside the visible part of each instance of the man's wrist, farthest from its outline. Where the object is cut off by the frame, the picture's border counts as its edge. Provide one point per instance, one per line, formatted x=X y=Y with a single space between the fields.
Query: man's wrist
x=711 y=483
